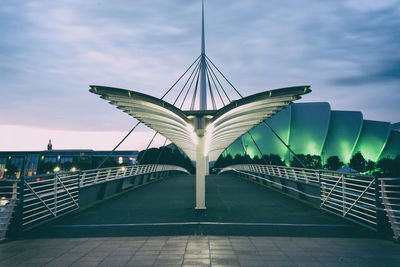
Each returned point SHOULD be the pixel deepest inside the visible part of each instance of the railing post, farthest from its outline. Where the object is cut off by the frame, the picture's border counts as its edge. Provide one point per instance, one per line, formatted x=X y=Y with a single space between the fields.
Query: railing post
x=343 y=194
x=79 y=188
x=286 y=173
x=16 y=223
x=55 y=193
x=383 y=229
x=97 y=176
x=81 y=178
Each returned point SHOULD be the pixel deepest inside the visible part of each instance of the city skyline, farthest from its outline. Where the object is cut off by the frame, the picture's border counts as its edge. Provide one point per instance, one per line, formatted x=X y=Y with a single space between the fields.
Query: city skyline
x=52 y=51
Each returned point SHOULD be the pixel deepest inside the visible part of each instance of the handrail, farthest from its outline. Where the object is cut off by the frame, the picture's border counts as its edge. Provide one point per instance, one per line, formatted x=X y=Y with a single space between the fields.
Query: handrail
x=390 y=193
x=351 y=196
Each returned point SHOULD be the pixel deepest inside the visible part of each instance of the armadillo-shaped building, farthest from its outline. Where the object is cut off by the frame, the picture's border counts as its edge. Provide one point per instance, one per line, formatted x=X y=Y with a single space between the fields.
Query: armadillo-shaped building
x=315 y=129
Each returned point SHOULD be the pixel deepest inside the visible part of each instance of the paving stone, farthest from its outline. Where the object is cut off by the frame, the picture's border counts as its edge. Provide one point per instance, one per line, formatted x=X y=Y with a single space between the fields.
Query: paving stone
x=194 y=261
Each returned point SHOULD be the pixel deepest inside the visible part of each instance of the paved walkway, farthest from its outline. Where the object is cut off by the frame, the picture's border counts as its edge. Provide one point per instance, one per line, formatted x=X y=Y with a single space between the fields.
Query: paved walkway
x=234 y=207
x=200 y=251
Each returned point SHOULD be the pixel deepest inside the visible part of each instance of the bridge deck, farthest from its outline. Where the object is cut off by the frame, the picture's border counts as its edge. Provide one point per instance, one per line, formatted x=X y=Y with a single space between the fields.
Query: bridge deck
x=116 y=222
x=234 y=207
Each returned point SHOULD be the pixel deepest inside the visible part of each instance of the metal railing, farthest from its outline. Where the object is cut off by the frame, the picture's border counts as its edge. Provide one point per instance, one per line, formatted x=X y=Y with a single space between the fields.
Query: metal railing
x=49 y=197
x=390 y=192
x=351 y=196
x=295 y=174
x=45 y=197
x=91 y=177
x=8 y=200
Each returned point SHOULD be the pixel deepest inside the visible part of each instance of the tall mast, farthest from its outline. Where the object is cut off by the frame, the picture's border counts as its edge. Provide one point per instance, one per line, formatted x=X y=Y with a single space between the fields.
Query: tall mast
x=203 y=84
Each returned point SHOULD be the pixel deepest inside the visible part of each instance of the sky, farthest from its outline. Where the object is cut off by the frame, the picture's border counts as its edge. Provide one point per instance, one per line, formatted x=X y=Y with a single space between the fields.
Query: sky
x=51 y=51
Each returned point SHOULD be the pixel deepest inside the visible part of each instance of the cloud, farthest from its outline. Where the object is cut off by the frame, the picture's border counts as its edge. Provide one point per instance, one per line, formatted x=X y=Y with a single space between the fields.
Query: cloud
x=385 y=72
x=51 y=51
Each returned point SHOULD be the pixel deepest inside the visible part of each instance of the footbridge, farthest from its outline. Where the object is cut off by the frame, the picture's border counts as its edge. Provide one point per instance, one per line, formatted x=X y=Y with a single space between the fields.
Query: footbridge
x=161 y=215
x=241 y=199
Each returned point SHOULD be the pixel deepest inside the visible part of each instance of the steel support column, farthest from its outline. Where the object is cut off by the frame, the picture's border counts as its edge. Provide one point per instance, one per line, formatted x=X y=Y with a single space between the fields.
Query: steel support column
x=200 y=171
x=207 y=165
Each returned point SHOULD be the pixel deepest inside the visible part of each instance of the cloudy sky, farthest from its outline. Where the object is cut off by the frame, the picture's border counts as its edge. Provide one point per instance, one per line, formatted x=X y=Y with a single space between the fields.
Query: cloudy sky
x=51 y=51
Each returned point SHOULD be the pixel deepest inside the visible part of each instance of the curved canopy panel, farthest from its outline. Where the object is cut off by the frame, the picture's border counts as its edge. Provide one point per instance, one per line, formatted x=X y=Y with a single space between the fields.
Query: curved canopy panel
x=392 y=148
x=344 y=130
x=240 y=116
x=309 y=127
x=266 y=140
x=373 y=138
x=222 y=127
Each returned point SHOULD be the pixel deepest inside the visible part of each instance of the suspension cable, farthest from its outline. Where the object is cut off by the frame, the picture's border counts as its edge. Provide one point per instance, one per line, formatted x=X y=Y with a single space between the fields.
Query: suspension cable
x=126 y=136
x=211 y=93
x=190 y=87
x=225 y=77
x=161 y=151
x=180 y=78
x=287 y=146
x=258 y=148
x=226 y=95
x=244 y=150
x=183 y=88
x=215 y=85
x=265 y=123
x=112 y=151
x=195 y=93
x=147 y=148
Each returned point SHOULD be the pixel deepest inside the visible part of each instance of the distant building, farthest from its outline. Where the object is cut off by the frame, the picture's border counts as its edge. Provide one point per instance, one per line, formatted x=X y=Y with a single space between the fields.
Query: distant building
x=57 y=157
x=313 y=128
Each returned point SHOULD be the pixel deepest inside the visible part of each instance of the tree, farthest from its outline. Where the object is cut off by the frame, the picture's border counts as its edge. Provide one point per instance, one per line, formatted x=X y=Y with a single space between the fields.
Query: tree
x=84 y=163
x=314 y=162
x=11 y=169
x=370 y=166
x=357 y=162
x=165 y=155
x=276 y=160
x=386 y=167
x=45 y=167
x=333 y=163
x=310 y=161
x=396 y=167
x=298 y=160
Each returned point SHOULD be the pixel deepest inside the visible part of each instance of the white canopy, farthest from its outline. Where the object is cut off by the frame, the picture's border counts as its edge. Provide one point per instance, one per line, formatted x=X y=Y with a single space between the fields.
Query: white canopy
x=222 y=127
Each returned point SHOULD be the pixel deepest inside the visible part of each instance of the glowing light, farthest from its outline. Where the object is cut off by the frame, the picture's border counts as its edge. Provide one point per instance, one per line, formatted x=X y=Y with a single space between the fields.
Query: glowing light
x=194 y=137
x=57 y=169
x=210 y=127
x=120 y=160
x=73 y=169
x=207 y=143
x=190 y=128
x=123 y=168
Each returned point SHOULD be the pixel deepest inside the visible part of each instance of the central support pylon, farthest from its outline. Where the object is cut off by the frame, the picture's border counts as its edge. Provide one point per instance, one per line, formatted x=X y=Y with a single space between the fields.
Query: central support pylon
x=201 y=155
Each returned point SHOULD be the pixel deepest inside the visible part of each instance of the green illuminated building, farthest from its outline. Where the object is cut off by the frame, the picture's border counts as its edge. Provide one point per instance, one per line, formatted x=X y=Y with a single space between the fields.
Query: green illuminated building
x=315 y=129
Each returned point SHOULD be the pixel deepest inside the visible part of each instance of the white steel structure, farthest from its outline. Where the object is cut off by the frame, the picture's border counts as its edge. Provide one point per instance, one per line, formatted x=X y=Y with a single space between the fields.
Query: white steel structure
x=202 y=134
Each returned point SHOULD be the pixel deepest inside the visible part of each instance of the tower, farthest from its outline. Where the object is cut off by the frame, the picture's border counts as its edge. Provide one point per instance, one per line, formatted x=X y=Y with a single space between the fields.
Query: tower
x=49 y=145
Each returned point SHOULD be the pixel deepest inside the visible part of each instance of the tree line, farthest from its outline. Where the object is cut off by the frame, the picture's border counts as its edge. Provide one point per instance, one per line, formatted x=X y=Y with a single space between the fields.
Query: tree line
x=385 y=167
